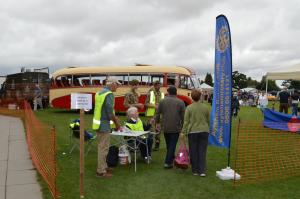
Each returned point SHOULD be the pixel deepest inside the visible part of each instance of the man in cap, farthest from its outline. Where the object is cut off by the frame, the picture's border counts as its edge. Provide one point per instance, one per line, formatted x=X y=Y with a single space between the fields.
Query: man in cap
x=154 y=96
x=172 y=110
x=284 y=97
x=104 y=118
x=132 y=97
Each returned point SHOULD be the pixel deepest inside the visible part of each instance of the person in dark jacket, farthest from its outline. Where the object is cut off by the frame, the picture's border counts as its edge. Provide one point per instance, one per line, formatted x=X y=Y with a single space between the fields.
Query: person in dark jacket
x=235 y=105
x=172 y=110
x=295 y=100
x=134 y=123
x=284 y=97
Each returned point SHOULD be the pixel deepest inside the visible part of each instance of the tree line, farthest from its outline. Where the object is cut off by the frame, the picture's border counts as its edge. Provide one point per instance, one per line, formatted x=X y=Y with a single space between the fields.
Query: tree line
x=240 y=81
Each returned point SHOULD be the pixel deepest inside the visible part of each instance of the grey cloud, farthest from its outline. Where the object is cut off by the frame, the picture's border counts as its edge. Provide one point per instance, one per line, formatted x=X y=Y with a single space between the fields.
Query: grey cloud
x=61 y=33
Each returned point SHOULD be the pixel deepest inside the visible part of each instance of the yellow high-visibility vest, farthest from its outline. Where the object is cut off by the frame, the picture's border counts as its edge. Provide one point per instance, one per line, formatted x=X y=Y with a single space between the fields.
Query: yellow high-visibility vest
x=151 y=110
x=74 y=124
x=137 y=126
x=99 y=100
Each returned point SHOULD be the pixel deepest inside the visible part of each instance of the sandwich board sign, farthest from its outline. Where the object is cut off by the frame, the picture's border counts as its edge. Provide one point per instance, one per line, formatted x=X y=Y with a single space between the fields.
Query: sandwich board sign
x=81 y=101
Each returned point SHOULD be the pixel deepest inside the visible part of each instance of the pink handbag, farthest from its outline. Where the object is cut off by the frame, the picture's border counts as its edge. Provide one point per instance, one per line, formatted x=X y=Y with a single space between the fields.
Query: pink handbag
x=182 y=158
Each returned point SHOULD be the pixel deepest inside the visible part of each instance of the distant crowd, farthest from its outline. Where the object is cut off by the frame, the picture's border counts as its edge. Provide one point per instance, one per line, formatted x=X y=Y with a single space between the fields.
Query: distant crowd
x=260 y=99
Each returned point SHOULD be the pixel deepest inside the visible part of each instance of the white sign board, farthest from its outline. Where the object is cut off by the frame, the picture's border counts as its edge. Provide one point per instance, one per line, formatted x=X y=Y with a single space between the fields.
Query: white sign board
x=81 y=101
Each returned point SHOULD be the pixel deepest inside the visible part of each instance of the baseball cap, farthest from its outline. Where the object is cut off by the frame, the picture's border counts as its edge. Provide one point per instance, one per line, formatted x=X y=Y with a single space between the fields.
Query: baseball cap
x=156 y=82
x=134 y=82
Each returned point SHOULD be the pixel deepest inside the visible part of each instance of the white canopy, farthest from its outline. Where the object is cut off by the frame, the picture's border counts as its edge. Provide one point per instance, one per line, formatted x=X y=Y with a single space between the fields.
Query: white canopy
x=249 y=89
x=206 y=87
x=291 y=73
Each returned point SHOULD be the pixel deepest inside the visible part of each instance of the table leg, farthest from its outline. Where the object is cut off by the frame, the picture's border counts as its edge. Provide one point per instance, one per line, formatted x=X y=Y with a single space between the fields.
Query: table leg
x=148 y=161
x=135 y=155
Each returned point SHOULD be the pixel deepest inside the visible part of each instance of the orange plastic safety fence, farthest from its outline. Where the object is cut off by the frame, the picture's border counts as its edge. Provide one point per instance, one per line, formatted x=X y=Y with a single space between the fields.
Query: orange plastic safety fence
x=42 y=146
x=41 y=143
x=263 y=154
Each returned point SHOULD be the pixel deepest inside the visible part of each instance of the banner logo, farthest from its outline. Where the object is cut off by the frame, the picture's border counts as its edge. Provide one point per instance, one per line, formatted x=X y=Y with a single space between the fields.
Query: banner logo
x=223 y=39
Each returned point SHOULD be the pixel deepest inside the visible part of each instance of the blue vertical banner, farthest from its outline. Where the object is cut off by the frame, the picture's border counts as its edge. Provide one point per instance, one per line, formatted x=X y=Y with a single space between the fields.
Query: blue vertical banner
x=220 y=120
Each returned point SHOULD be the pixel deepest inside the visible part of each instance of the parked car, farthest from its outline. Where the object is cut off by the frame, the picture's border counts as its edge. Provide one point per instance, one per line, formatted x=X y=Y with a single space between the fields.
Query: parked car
x=271 y=97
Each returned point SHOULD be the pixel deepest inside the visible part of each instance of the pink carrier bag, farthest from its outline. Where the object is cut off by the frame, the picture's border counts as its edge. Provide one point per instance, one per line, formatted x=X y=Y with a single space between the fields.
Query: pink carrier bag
x=182 y=158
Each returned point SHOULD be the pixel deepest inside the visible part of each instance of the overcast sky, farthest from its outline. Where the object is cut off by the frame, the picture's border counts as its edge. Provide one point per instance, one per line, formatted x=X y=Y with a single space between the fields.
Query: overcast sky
x=59 y=33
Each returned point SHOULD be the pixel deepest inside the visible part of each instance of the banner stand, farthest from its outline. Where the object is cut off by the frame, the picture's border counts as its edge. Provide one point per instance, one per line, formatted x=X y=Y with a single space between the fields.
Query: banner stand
x=221 y=118
x=228 y=174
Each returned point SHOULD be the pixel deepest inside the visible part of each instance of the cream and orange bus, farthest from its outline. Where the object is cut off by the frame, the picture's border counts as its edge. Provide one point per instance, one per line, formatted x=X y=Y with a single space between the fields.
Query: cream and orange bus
x=92 y=79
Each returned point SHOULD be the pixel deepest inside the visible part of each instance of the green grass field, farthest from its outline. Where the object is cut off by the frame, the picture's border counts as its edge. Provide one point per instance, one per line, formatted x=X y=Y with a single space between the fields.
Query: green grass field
x=152 y=181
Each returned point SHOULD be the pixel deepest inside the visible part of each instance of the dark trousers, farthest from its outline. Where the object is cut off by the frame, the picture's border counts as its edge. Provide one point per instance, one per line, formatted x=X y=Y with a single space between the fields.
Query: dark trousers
x=143 y=147
x=295 y=109
x=171 y=142
x=197 y=148
x=284 y=107
x=141 y=143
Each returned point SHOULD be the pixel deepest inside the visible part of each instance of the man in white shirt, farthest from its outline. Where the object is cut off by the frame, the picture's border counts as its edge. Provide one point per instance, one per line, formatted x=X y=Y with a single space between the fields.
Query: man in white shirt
x=262 y=100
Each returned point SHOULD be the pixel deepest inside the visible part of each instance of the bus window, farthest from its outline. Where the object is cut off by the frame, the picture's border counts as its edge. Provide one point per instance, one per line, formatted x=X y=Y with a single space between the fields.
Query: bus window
x=98 y=79
x=190 y=84
x=76 y=82
x=171 y=78
x=183 y=82
x=145 y=80
x=125 y=80
x=121 y=78
x=65 y=81
x=85 y=82
x=96 y=82
x=134 y=76
x=155 y=78
x=58 y=82
x=186 y=82
x=195 y=81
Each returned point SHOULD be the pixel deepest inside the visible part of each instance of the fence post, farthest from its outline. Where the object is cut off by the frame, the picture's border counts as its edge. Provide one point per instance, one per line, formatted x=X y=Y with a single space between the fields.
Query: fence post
x=53 y=134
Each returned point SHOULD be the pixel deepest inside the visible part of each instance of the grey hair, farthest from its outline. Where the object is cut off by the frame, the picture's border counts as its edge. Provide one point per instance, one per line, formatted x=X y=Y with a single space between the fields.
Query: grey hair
x=131 y=111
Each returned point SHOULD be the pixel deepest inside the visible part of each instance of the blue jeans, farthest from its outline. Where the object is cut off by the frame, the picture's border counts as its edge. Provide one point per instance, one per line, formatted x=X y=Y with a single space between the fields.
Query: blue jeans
x=294 y=109
x=171 y=142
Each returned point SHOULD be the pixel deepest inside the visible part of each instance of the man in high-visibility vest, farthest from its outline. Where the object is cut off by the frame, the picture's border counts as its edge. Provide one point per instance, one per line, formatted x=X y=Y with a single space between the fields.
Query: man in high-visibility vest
x=103 y=117
x=153 y=98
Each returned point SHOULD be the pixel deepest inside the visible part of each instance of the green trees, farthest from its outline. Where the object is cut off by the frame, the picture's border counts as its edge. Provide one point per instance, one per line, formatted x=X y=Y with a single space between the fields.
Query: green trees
x=208 y=79
x=271 y=85
x=239 y=80
x=292 y=84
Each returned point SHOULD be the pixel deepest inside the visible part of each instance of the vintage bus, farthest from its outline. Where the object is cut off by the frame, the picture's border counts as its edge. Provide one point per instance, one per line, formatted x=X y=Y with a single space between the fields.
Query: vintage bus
x=92 y=79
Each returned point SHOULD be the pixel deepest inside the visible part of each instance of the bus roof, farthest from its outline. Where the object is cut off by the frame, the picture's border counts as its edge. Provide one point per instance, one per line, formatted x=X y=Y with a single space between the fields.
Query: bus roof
x=123 y=70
